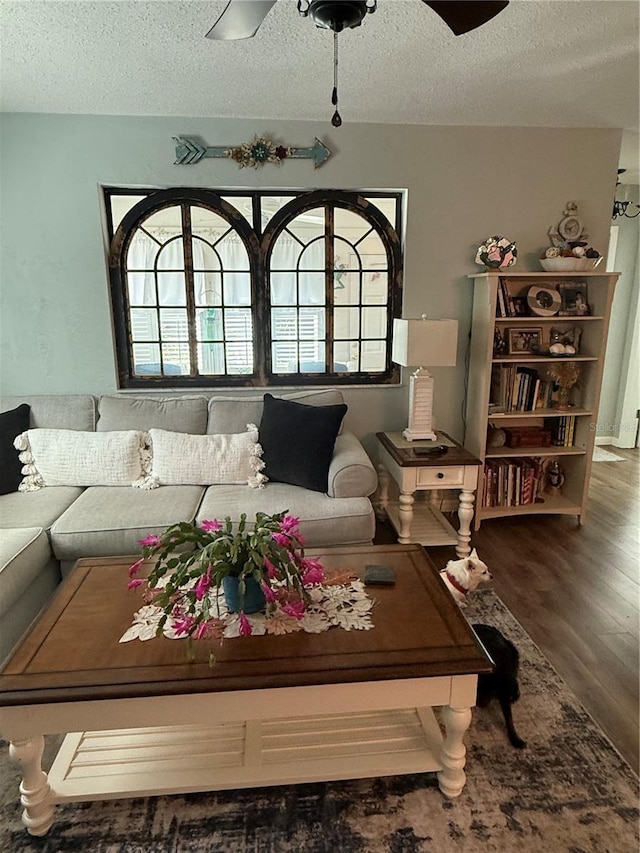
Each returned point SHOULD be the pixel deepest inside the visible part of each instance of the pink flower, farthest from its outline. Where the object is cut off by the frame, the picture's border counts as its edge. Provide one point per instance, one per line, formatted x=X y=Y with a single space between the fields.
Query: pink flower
x=295 y=609
x=210 y=526
x=201 y=631
x=245 y=626
x=204 y=585
x=135 y=583
x=269 y=594
x=133 y=570
x=272 y=571
x=281 y=539
x=151 y=539
x=312 y=571
x=289 y=524
x=183 y=624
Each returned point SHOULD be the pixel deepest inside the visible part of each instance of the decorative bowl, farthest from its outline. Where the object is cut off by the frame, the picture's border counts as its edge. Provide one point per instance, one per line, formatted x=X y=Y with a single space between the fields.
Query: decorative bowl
x=569 y=264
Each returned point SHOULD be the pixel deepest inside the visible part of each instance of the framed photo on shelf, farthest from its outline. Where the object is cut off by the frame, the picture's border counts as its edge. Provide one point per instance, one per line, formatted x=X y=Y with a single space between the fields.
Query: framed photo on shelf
x=524 y=341
x=520 y=307
x=574 y=298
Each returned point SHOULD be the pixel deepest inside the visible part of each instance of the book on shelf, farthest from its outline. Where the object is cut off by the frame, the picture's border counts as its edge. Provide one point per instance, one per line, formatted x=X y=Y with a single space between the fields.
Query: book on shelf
x=505 y=303
x=519 y=389
x=562 y=430
x=512 y=482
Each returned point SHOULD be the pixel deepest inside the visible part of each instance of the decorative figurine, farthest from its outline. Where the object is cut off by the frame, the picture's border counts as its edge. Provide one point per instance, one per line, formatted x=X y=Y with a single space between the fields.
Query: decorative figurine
x=499 y=343
x=554 y=478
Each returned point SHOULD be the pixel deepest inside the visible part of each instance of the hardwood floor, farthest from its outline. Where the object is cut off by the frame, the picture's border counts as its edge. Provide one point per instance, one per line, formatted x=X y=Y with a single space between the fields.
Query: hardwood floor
x=576 y=592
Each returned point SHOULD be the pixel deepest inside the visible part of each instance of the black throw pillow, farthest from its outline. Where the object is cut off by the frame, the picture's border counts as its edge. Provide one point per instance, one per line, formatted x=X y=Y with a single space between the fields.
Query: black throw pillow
x=298 y=440
x=11 y=425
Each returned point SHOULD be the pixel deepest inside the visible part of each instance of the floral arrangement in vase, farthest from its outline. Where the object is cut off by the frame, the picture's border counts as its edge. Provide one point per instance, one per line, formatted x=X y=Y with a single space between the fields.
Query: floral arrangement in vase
x=497 y=253
x=565 y=374
x=257 y=566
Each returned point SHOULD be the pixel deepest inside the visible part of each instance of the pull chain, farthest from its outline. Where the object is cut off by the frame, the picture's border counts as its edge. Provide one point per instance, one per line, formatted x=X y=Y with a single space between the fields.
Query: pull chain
x=336 y=120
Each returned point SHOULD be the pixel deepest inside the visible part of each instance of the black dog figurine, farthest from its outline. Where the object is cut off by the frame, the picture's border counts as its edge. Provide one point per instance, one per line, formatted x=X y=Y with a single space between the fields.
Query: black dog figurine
x=502 y=683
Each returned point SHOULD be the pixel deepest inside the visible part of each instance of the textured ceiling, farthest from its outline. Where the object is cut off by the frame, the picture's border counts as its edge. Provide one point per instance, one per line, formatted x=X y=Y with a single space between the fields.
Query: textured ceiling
x=565 y=63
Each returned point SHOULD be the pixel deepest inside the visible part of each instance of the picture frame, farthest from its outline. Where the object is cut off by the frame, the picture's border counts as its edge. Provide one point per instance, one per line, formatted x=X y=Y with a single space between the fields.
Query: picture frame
x=524 y=341
x=520 y=307
x=574 y=296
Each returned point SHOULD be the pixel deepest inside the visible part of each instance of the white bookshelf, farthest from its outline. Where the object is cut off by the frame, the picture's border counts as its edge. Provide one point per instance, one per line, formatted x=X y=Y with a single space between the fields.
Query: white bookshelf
x=575 y=459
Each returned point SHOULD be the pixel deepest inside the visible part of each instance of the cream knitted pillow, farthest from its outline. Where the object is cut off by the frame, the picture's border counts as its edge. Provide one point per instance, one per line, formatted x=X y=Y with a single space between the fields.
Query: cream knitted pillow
x=68 y=457
x=204 y=460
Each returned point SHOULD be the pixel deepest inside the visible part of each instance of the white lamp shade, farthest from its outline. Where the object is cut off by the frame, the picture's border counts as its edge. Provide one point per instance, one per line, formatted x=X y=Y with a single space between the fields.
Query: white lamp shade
x=431 y=343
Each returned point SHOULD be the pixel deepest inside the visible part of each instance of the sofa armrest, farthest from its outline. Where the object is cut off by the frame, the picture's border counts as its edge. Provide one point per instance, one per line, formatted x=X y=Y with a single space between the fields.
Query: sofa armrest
x=351 y=473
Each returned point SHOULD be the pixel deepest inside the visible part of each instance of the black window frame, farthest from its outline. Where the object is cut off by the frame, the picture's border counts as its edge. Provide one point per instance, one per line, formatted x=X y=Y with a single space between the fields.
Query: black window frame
x=259 y=243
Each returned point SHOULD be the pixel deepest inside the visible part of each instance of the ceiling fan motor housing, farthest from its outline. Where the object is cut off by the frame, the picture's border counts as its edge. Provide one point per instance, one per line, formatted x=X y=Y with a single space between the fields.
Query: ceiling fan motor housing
x=337 y=15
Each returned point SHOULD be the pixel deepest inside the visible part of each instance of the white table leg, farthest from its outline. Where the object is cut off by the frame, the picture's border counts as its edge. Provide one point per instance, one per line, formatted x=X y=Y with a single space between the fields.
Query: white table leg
x=405 y=515
x=452 y=778
x=465 y=515
x=382 y=498
x=35 y=793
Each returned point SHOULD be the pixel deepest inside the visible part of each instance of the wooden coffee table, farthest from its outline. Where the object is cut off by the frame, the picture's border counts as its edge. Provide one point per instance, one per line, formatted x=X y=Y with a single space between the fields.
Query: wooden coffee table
x=274 y=709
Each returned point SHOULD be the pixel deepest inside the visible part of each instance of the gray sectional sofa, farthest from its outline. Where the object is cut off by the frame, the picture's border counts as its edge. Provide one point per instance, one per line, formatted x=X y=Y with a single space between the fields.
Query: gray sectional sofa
x=43 y=532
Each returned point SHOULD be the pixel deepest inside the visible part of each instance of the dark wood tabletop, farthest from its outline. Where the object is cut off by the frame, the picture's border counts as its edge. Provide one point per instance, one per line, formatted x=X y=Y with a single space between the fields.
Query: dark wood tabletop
x=72 y=652
x=403 y=451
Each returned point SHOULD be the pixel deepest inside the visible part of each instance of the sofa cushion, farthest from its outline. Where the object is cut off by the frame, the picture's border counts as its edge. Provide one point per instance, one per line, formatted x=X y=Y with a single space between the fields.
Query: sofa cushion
x=68 y=457
x=182 y=459
x=41 y=508
x=298 y=440
x=176 y=414
x=110 y=520
x=323 y=520
x=56 y=411
x=12 y=423
x=233 y=413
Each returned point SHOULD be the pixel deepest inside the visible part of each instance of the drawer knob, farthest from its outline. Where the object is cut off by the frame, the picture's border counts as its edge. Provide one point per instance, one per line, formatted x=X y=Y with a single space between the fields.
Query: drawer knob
x=440 y=475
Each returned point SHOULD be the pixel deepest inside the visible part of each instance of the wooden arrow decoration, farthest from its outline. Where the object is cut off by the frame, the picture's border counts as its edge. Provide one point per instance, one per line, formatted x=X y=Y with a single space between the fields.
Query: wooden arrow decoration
x=254 y=154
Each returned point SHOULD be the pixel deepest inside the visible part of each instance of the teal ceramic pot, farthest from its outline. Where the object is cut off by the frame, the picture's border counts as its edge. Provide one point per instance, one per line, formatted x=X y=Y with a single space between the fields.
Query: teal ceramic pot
x=254 y=599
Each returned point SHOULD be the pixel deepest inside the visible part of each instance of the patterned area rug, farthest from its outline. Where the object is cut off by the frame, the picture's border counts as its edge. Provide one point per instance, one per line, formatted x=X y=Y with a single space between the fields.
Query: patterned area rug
x=568 y=791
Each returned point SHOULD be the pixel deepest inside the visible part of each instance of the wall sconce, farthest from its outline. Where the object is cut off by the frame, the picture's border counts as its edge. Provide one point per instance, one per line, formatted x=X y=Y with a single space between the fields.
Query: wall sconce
x=420 y=342
x=620 y=207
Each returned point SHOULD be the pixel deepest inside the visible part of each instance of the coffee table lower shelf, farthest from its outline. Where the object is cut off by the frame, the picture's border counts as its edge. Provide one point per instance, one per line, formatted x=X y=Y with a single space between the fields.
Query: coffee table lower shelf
x=183 y=759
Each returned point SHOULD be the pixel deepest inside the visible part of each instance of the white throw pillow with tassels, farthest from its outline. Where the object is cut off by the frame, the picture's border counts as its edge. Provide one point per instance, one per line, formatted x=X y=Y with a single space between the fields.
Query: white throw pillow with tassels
x=179 y=458
x=67 y=457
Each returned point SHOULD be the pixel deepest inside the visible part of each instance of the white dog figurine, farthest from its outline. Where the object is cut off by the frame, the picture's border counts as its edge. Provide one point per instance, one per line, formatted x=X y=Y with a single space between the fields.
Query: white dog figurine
x=463 y=576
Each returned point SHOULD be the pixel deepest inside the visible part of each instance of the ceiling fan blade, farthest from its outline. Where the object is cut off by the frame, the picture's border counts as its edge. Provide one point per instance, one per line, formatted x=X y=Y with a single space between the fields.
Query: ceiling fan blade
x=461 y=16
x=240 y=19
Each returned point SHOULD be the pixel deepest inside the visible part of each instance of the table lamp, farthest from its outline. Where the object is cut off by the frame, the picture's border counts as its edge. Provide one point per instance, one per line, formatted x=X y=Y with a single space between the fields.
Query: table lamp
x=421 y=342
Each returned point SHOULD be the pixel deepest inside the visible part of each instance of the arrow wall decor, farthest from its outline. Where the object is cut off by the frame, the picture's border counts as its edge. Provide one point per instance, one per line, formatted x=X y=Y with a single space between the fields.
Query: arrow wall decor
x=254 y=154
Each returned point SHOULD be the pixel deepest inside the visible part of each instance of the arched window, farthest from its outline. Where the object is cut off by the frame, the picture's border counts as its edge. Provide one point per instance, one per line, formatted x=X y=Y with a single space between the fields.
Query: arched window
x=253 y=288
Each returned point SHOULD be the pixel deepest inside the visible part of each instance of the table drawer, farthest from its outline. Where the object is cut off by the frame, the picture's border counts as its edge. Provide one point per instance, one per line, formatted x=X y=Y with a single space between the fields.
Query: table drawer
x=445 y=476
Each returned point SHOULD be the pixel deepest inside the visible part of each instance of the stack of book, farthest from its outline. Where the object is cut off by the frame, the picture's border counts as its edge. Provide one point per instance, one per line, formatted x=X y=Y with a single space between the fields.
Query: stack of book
x=516 y=388
x=512 y=482
x=507 y=305
x=561 y=430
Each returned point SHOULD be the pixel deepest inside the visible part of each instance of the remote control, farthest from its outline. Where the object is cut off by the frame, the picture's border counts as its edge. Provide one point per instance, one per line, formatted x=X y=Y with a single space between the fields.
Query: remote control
x=430 y=451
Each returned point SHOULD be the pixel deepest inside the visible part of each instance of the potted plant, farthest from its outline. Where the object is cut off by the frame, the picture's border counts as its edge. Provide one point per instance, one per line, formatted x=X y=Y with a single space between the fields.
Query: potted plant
x=255 y=566
x=565 y=374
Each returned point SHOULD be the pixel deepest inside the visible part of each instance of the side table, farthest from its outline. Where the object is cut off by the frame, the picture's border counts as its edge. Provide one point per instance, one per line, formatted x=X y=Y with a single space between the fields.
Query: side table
x=424 y=523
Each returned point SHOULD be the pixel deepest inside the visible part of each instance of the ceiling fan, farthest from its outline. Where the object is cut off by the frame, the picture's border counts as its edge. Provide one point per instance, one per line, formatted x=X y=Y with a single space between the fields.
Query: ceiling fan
x=241 y=19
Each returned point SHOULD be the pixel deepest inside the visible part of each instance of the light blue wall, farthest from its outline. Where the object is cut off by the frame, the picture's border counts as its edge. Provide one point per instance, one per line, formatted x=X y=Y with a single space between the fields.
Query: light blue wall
x=463 y=183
